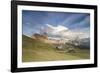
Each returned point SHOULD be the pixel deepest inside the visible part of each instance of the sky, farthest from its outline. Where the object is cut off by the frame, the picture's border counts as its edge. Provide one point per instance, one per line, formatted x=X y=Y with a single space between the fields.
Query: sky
x=56 y=24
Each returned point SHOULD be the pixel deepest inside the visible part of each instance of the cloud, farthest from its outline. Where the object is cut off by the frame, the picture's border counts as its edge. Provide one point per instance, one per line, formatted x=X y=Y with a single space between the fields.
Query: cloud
x=55 y=29
x=74 y=18
x=63 y=32
x=74 y=34
x=83 y=24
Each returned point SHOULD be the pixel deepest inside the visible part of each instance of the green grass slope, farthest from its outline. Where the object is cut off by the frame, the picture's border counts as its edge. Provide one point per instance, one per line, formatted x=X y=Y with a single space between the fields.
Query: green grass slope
x=35 y=50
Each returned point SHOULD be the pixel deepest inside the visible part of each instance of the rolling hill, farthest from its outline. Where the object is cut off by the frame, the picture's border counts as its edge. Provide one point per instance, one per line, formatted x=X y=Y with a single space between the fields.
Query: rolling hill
x=36 y=50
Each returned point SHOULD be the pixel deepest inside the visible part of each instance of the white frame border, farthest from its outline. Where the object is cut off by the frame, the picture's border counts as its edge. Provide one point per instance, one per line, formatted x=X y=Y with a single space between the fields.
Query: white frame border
x=53 y=63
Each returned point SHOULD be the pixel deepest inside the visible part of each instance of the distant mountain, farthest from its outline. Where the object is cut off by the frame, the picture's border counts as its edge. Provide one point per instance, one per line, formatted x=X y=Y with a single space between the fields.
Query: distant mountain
x=40 y=36
x=85 y=43
x=81 y=43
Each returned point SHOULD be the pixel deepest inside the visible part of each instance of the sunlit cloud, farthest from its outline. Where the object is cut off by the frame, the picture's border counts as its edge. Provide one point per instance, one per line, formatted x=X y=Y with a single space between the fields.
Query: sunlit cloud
x=64 y=32
x=58 y=28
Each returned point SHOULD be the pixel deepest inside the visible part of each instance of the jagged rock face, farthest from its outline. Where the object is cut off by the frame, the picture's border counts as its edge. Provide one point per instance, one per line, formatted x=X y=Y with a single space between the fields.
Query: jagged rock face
x=39 y=36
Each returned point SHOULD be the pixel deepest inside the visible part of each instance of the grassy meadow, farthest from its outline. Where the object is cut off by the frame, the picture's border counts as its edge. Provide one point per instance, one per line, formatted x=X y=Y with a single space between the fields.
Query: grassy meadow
x=35 y=50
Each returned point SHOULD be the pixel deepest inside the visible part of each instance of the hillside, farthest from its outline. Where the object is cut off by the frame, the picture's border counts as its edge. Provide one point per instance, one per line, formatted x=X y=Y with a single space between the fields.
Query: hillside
x=36 y=50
